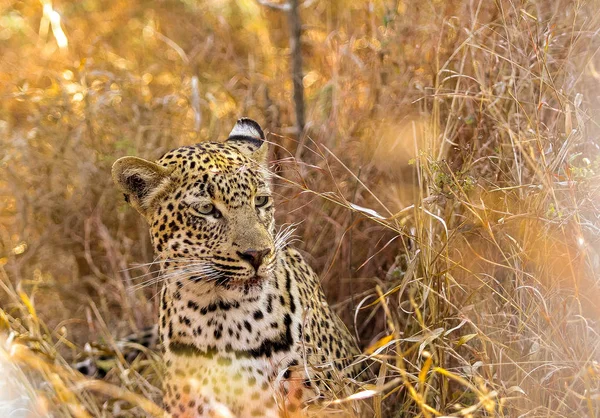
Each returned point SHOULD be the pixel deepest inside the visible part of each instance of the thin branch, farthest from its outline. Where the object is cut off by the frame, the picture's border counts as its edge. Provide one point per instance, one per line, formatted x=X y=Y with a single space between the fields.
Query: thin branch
x=295 y=31
x=297 y=74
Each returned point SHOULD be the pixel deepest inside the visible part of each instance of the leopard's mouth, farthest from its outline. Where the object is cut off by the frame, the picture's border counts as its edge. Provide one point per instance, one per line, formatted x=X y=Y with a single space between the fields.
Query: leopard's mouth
x=256 y=279
x=251 y=282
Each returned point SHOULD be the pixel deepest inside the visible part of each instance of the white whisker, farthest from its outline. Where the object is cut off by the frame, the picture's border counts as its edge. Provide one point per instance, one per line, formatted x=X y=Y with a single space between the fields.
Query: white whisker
x=285 y=236
x=188 y=271
x=159 y=261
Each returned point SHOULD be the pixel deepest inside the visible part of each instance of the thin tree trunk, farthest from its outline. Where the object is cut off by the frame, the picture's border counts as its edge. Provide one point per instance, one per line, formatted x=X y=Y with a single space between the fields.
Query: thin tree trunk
x=295 y=28
x=296 y=58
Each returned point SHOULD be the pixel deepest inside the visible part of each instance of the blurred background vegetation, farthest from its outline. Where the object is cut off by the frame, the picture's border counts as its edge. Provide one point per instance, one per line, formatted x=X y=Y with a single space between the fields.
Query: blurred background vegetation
x=446 y=189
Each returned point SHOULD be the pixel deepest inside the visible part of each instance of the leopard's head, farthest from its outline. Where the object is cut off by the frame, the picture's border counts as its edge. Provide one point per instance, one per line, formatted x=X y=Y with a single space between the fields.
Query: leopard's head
x=210 y=209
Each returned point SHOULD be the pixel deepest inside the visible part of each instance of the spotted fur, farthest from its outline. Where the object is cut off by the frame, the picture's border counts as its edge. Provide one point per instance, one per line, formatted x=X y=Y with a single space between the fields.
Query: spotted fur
x=246 y=329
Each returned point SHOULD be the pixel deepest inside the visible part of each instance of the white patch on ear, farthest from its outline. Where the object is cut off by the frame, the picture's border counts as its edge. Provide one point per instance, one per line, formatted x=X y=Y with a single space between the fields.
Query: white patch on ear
x=249 y=139
x=249 y=128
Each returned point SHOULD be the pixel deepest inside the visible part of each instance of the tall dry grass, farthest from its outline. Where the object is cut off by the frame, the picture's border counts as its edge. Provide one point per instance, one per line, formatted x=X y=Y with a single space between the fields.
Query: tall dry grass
x=447 y=193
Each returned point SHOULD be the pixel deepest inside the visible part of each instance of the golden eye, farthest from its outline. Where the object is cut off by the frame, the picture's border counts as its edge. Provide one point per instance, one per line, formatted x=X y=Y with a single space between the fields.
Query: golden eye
x=208 y=209
x=260 y=201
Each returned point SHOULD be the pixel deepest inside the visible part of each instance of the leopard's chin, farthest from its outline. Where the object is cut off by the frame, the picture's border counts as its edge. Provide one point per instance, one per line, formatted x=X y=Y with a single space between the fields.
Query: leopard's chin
x=255 y=280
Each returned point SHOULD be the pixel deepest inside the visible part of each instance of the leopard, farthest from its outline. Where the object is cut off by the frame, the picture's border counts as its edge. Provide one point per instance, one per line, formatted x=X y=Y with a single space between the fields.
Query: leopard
x=245 y=326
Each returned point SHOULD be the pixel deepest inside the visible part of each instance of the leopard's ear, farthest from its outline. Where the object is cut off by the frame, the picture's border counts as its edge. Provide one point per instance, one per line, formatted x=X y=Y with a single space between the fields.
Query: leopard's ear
x=141 y=181
x=250 y=138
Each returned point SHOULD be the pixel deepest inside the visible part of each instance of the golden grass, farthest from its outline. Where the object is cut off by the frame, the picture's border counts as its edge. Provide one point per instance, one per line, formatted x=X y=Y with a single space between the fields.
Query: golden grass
x=448 y=194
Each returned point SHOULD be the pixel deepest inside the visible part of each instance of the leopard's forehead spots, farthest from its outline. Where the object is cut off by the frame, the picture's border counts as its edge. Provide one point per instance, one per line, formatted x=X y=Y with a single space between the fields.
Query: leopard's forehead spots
x=218 y=171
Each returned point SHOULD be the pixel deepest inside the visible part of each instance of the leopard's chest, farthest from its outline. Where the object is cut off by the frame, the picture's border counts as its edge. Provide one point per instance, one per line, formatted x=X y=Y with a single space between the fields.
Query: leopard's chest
x=223 y=383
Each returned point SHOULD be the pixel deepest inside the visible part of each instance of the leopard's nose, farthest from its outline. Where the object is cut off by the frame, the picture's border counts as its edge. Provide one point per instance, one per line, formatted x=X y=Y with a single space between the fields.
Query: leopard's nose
x=254 y=257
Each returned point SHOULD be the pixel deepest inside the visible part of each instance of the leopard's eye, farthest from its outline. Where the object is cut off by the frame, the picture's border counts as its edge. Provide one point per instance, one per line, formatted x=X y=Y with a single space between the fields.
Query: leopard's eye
x=260 y=201
x=208 y=210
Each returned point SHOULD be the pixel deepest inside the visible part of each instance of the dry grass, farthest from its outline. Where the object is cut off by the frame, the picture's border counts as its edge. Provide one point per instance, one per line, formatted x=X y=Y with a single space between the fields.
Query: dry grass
x=448 y=194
